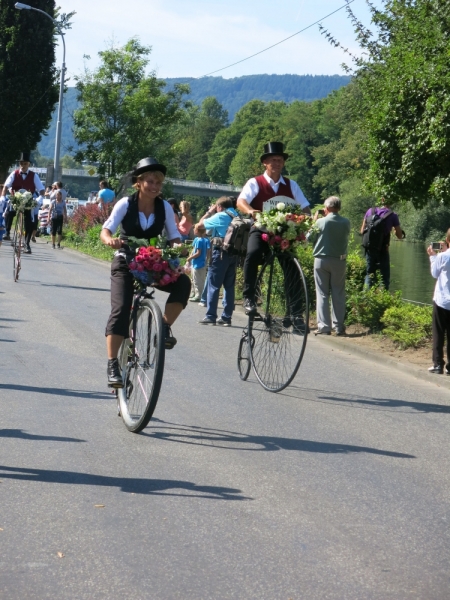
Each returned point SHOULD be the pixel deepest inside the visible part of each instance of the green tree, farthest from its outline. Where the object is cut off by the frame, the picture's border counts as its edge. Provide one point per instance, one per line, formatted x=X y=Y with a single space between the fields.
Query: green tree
x=210 y=120
x=124 y=114
x=404 y=102
x=28 y=78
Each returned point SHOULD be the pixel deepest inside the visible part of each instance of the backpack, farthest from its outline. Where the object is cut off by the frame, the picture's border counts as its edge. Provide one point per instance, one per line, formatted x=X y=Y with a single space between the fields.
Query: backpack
x=236 y=237
x=374 y=232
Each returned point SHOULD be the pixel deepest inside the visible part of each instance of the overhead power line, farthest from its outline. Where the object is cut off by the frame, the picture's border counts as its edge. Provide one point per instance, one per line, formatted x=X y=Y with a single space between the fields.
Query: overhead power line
x=281 y=41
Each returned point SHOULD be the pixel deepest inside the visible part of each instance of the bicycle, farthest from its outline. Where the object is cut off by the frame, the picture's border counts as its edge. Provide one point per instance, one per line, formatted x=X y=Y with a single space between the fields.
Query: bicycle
x=141 y=359
x=17 y=244
x=274 y=341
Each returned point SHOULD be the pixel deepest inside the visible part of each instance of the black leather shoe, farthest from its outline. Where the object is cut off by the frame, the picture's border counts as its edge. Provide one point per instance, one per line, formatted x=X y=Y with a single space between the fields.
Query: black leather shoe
x=436 y=369
x=299 y=326
x=250 y=306
x=27 y=250
x=114 y=375
x=169 y=340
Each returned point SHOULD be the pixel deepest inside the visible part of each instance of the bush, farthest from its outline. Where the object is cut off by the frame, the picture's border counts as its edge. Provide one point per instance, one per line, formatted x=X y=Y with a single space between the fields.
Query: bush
x=367 y=306
x=85 y=217
x=408 y=325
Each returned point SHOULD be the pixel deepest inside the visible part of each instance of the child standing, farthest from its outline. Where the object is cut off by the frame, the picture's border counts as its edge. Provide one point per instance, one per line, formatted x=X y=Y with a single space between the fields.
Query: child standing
x=198 y=256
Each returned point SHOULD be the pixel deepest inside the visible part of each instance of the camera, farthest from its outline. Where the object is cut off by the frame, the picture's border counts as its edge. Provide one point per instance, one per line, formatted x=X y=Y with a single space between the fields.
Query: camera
x=436 y=246
x=321 y=211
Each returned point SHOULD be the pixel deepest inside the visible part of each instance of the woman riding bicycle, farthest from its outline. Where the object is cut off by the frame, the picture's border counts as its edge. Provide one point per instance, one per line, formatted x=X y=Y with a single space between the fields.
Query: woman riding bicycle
x=143 y=215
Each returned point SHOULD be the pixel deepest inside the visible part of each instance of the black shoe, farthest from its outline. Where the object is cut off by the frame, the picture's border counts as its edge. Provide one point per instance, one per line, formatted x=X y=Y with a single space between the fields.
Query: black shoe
x=321 y=332
x=207 y=321
x=59 y=246
x=223 y=322
x=250 y=307
x=169 y=340
x=299 y=326
x=7 y=238
x=27 y=250
x=114 y=375
x=340 y=332
x=439 y=370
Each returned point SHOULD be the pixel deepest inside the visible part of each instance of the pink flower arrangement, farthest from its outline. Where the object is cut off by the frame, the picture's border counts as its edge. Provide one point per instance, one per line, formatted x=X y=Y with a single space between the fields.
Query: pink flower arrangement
x=151 y=267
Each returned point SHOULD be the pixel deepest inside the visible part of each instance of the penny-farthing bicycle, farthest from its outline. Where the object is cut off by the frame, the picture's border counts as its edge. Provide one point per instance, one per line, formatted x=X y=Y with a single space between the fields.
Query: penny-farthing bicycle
x=141 y=359
x=274 y=341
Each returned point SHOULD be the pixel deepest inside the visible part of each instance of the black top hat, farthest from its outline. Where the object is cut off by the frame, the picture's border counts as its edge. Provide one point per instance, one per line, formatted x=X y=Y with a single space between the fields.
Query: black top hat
x=25 y=157
x=274 y=148
x=147 y=164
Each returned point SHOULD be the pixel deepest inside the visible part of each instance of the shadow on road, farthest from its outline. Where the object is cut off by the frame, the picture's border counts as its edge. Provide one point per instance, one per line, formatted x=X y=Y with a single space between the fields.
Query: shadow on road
x=76 y=287
x=365 y=402
x=56 y=391
x=22 y=435
x=231 y=440
x=12 y=320
x=132 y=485
x=11 y=341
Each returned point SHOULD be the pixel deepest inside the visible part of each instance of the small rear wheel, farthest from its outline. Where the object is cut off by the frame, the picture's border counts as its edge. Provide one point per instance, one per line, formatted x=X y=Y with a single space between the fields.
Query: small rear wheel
x=141 y=359
x=243 y=361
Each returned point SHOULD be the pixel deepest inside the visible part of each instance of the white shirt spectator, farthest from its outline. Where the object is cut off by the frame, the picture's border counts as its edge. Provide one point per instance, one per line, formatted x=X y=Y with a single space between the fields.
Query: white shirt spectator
x=120 y=210
x=251 y=189
x=37 y=182
x=440 y=270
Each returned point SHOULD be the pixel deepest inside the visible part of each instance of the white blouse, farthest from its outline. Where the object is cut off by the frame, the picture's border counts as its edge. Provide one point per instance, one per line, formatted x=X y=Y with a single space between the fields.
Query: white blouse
x=120 y=210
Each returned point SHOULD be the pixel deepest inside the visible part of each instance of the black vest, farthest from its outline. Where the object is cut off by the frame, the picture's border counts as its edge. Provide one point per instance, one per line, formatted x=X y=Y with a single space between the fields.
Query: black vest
x=131 y=226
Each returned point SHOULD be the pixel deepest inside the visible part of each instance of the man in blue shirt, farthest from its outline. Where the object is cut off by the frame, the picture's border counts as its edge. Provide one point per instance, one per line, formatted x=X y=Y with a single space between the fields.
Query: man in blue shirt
x=440 y=270
x=105 y=195
x=222 y=269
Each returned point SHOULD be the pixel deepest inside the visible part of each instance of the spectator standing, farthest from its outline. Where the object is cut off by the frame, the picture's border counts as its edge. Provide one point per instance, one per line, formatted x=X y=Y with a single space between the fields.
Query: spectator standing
x=186 y=221
x=106 y=195
x=58 y=214
x=58 y=186
x=330 y=236
x=378 y=260
x=222 y=268
x=176 y=209
x=198 y=258
x=440 y=270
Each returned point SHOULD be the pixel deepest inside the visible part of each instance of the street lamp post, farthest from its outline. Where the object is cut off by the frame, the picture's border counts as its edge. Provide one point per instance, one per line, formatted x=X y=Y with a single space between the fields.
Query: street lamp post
x=21 y=6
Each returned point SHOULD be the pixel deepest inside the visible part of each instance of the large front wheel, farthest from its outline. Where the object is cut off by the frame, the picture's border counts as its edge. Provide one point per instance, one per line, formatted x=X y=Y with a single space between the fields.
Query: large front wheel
x=17 y=245
x=141 y=358
x=279 y=331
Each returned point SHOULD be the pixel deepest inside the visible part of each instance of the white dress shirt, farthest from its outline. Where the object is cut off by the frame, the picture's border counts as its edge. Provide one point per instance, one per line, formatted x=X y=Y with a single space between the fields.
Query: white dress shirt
x=120 y=210
x=440 y=269
x=37 y=182
x=251 y=189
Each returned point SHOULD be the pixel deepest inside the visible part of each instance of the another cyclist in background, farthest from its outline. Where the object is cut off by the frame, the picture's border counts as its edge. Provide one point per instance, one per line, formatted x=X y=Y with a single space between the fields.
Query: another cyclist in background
x=58 y=216
x=23 y=179
x=106 y=195
x=255 y=192
x=143 y=215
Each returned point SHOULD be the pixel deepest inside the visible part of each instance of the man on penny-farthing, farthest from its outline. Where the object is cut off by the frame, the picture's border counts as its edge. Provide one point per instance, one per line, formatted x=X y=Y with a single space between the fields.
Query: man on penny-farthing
x=251 y=200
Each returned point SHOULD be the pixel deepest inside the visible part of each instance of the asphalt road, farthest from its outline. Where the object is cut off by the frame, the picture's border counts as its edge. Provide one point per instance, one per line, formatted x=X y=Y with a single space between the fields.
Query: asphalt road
x=336 y=488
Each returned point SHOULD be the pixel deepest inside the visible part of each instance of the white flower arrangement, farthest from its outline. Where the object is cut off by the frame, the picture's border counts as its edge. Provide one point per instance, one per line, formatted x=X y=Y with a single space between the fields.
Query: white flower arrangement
x=21 y=201
x=283 y=227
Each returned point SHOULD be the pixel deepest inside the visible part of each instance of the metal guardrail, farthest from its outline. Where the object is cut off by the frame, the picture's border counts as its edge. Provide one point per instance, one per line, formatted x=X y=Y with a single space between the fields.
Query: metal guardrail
x=205 y=185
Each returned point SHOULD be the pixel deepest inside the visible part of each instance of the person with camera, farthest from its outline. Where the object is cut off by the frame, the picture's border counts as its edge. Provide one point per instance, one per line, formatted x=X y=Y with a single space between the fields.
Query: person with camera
x=330 y=236
x=439 y=253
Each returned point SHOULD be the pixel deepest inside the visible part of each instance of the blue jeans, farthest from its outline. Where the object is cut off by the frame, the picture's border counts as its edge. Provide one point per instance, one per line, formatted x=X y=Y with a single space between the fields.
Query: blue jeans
x=222 y=272
x=204 y=296
x=378 y=261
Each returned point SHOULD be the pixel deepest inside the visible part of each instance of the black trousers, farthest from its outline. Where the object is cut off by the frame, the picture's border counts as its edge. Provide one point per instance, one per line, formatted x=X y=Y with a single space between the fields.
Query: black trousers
x=30 y=226
x=122 y=291
x=256 y=251
x=441 y=329
x=9 y=218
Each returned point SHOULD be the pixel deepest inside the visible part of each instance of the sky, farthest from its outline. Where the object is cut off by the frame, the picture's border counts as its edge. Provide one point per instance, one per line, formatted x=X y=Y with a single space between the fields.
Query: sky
x=192 y=38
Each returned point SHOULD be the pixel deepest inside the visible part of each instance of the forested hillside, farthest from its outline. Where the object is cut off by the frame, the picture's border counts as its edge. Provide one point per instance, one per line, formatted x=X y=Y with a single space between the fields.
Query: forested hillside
x=231 y=93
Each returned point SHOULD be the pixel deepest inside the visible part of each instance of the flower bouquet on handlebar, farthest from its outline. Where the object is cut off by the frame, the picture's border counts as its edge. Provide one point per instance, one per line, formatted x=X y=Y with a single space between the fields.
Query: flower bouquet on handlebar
x=284 y=227
x=22 y=201
x=154 y=263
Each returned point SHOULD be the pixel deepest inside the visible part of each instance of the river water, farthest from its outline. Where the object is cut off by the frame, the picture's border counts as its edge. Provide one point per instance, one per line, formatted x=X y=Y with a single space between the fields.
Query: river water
x=410 y=271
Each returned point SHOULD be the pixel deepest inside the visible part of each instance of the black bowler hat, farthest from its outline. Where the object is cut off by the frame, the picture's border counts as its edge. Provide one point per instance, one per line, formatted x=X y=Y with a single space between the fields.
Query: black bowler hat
x=147 y=164
x=25 y=157
x=274 y=148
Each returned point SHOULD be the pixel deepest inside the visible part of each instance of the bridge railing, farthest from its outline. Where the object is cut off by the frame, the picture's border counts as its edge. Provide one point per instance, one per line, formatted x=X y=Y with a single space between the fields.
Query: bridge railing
x=204 y=185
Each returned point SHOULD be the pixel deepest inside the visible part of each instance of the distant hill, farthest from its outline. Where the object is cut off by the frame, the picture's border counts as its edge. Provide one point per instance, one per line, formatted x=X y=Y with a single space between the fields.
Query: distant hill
x=231 y=93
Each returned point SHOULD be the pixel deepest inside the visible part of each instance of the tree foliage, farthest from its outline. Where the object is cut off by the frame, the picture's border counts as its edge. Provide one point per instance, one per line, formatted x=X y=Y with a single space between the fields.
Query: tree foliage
x=404 y=103
x=28 y=78
x=124 y=114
